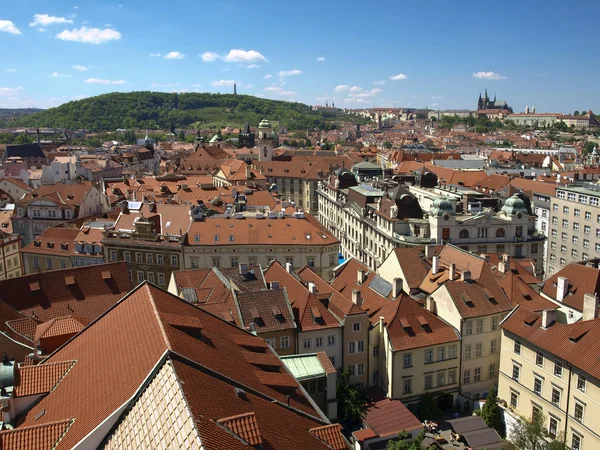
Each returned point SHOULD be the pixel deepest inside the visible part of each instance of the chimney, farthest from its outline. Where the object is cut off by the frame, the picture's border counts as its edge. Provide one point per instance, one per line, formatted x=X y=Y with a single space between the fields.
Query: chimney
x=38 y=136
x=357 y=297
x=504 y=264
x=590 y=307
x=430 y=304
x=485 y=257
x=562 y=288
x=452 y=271
x=274 y=285
x=243 y=269
x=124 y=207
x=360 y=276
x=429 y=251
x=466 y=275
x=548 y=317
x=312 y=288
x=248 y=172
x=396 y=287
x=288 y=267
x=435 y=268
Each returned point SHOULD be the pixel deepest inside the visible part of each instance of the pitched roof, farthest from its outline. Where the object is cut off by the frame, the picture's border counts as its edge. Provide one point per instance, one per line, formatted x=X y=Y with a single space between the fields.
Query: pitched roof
x=414 y=266
x=389 y=417
x=268 y=309
x=71 y=195
x=43 y=436
x=582 y=280
x=40 y=379
x=578 y=343
x=60 y=326
x=118 y=352
x=331 y=435
x=54 y=241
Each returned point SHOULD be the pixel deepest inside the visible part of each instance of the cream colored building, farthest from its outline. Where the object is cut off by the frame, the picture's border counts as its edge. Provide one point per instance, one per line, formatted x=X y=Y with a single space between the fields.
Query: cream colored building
x=551 y=368
x=11 y=264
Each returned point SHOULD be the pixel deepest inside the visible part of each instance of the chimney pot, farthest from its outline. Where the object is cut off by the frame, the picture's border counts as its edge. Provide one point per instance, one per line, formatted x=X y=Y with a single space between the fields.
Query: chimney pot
x=452 y=271
x=288 y=267
x=430 y=304
x=562 y=288
x=435 y=267
x=590 y=307
x=548 y=317
x=360 y=276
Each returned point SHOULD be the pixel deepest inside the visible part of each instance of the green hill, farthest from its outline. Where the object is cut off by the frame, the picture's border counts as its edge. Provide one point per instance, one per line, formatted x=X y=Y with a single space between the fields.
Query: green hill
x=158 y=110
x=8 y=115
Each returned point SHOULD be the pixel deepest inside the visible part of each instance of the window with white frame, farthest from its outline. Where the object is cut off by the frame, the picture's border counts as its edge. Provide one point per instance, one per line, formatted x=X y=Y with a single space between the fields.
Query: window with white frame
x=452 y=351
x=161 y=279
x=479 y=328
x=581 y=382
x=558 y=368
x=478 y=349
x=466 y=376
x=517 y=347
x=428 y=381
x=113 y=255
x=576 y=442
x=492 y=371
x=516 y=372
x=159 y=260
x=556 y=396
x=537 y=386
x=552 y=427
x=428 y=356
x=356 y=326
x=579 y=411
x=539 y=358
x=514 y=399
x=441 y=353
x=407 y=360
x=468 y=351
x=468 y=328
x=441 y=378
x=307 y=343
x=493 y=346
x=331 y=340
x=407 y=386
x=318 y=342
x=284 y=342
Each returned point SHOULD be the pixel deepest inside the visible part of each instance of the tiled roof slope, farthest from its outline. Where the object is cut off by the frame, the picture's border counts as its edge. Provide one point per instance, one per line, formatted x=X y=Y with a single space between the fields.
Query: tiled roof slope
x=577 y=343
x=54 y=241
x=331 y=435
x=414 y=266
x=40 y=379
x=582 y=280
x=39 y=437
x=89 y=297
x=244 y=425
x=60 y=326
x=117 y=352
x=272 y=306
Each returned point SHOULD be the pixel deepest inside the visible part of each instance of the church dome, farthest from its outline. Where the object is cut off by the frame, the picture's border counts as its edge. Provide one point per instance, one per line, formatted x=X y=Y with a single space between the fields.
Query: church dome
x=441 y=206
x=513 y=205
x=264 y=124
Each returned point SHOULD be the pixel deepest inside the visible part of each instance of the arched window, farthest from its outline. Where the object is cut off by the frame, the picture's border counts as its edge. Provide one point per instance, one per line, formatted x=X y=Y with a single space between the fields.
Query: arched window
x=464 y=234
x=500 y=232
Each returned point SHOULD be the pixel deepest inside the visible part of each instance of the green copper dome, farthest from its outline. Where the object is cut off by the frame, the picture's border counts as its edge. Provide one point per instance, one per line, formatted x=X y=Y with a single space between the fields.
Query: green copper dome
x=441 y=205
x=513 y=205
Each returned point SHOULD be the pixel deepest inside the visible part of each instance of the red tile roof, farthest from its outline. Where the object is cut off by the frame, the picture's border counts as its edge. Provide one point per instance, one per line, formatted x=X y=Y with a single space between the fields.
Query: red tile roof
x=40 y=379
x=389 y=417
x=331 y=435
x=245 y=426
x=582 y=280
x=60 y=326
x=272 y=307
x=44 y=436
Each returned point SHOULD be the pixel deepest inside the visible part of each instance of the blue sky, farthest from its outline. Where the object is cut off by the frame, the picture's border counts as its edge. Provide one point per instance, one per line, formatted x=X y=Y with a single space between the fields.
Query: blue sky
x=439 y=54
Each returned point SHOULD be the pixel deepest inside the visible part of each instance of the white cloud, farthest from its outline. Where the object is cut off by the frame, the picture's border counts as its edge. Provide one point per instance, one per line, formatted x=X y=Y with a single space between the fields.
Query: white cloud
x=174 y=55
x=155 y=55
x=273 y=89
x=287 y=73
x=398 y=77
x=4 y=91
x=267 y=76
x=367 y=94
x=79 y=97
x=341 y=88
x=42 y=30
x=223 y=83
x=434 y=104
x=250 y=56
x=354 y=100
x=6 y=26
x=80 y=68
x=279 y=92
x=89 y=35
x=100 y=81
x=75 y=7
x=379 y=82
x=253 y=66
x=196 y=85
x=436 y=97
x=488 y=76
x=43 y=20
x=11 y=70
x=59 y=75
x=355 y=89
x=320 y=59
x=209 y=56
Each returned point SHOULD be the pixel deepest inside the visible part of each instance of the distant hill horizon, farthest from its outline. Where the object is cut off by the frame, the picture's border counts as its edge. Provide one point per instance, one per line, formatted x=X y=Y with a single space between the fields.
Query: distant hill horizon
x=160 y=111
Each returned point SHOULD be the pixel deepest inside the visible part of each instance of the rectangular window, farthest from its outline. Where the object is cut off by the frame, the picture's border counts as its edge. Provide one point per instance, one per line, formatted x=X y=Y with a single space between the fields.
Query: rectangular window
x=149 y=258
x=517 y=347
x=428 y=356
x=319 y=342
x=140 y=276
x=48 y=264
x=233 y=262
x=307 y=343
x=356 y=326
x=407 y=386
x=552 y=427
x=576 y=440
x=161 y=279
x=565 y=210
x=539 y=358
x=493 y=346
x=478 y=349
x=588 y=215
x=479 y=326
x=556 y=396
x=537 y=386
x=63 y=264
x=331 y=340
x=468 y=351
x=476 y=374
x=492 y=372
x=271 y=342
x=451 y=376
x=284 y=342
x=113 y=255
x=467 y=376
x=360 y=369
x=408 y=360
x=310 y=261
x=468 y=328
x=127 y=256
x=581 y=382
x=360 y=346
x=351 y=347
x=516 y=372
x=441 y=353
x=558 y=369
x=174 y=260
x=150 y=276
x=375 y=351
x=139 y=258
x=514 y=399
x=441 y=378
x=579 y=411
x=375 y=377
x=159 y=260
x=452 y=351
x=428 y=381
x=494 y=323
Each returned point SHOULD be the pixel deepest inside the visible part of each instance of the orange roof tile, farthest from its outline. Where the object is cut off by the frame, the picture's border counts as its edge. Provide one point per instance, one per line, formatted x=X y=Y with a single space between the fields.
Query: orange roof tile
x=40 y=379
x=60 y=326
x=245 y=426
x=43 y=436
x=331 y=435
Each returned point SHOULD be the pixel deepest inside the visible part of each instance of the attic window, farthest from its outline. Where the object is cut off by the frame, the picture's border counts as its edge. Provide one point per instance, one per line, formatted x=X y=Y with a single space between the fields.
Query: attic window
x=276 y=311
x=307 y=237
x=70 y=280
x=244 y=426
x=489 y=295
x=316 y=314
x=34 y=286
x=106 y=275
x=228 y=316
x=405 y=324
x=531 y=320
x=467 y=301
x=576 y=335
x=37 y=243
x=255 y=313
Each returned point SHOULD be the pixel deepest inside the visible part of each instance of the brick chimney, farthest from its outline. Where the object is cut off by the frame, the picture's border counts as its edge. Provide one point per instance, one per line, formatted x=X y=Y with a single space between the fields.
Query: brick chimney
x=430 y=304
x=312 y=287
x=466 y=275
x=562 y=288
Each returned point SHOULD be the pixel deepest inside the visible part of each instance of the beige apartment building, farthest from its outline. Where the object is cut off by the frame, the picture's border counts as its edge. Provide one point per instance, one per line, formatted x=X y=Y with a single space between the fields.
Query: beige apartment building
x=550 y=368
x=11 y=264
x=574 y=233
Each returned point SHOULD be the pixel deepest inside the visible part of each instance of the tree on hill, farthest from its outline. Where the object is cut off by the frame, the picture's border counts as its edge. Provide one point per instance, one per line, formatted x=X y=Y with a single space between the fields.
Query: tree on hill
x=23 y=139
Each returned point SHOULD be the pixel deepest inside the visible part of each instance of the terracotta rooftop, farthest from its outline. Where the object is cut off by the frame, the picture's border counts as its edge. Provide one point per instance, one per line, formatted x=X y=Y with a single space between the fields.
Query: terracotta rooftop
x=60 y=326
x=389 y=417
x=270 y=305
x=244 y=425
x=44 y=436
x=582 y=280
x=331 y=435
x=40 y=379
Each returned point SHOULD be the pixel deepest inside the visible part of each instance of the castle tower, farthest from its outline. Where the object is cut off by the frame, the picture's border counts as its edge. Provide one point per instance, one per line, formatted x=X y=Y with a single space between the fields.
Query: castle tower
x=533 y=109
x=527 y=109
x=265 y=141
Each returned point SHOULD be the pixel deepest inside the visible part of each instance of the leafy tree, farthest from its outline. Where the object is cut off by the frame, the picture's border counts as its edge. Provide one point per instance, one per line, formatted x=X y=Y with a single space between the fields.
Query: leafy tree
x=352 y=401
x=6 y=138
x=182 y=135
x=576 y=113
x=23 y=139
x=530 y=435
x=428 y=408
x=387 y=144
x=405 y=442
x=490 y=413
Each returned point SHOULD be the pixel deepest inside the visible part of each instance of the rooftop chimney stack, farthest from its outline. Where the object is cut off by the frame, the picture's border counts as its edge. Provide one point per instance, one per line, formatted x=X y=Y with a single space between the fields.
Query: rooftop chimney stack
x=243 y=269
x=430 y=304
x=452 y=271
x=504 y=264
x=357 y=297
x=312 y=288
x=548 y=317
x=435 y=267
x=360 y=276
x=288 y=267
x=466 y=275
x=590 y=307
x=562 y=288
x=396 y=287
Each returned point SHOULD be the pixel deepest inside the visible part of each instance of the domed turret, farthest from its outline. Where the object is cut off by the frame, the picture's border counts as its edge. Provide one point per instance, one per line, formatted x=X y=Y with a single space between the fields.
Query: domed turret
x=441 y=205
x=513 y=205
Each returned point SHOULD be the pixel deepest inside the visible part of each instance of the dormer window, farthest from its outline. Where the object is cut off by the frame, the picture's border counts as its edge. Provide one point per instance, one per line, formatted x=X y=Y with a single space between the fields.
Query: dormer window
x=79 y=248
